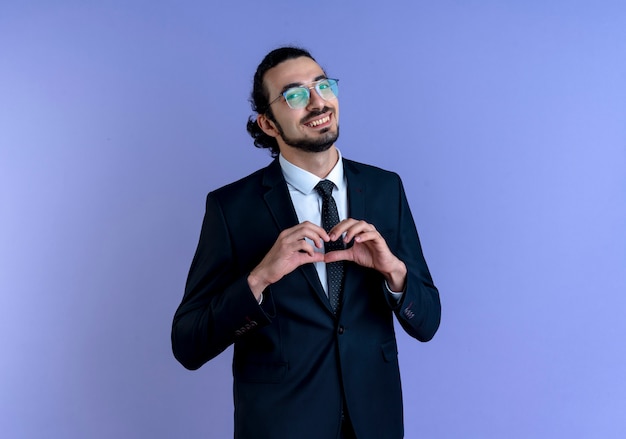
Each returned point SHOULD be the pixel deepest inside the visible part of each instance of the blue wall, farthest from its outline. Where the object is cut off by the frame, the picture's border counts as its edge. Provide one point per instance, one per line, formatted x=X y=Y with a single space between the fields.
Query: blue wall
x=505 y=119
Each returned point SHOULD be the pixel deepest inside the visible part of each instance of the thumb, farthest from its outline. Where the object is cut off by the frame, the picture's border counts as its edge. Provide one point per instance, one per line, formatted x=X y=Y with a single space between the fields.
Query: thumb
x=338 y=255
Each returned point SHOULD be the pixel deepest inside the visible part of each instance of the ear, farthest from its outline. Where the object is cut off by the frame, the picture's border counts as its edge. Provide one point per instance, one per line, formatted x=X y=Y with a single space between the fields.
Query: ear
x=267 y=125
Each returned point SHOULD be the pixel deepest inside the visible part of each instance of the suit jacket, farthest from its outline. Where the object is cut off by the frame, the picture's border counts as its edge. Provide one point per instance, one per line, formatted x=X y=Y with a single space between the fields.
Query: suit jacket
x=295 y=363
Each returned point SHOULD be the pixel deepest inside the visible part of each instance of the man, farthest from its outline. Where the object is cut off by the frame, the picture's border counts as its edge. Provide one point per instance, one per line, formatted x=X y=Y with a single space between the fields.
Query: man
x=315 y=354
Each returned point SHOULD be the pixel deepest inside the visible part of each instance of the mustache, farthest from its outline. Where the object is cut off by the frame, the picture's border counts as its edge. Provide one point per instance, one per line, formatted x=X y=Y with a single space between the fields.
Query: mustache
x=313 y=114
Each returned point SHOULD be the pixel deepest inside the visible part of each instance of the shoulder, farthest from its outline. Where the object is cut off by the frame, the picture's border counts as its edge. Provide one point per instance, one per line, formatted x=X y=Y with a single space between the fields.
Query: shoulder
x=239 y=185
x=254 y=184
x=369 y=172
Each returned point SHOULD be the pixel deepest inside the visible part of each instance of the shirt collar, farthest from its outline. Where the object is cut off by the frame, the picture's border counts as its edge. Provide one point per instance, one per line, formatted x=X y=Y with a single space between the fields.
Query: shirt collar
x=303 y=181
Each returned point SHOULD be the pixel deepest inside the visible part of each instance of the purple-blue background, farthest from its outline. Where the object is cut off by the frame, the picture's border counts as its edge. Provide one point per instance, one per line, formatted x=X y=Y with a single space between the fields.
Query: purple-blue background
x=506 y=121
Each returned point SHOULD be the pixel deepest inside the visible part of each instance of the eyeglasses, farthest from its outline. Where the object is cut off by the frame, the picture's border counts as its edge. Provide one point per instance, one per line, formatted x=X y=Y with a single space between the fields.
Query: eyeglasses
x=299 y=97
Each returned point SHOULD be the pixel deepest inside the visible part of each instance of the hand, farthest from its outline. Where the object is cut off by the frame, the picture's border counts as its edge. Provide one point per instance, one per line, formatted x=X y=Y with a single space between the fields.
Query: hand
x=369 y=250
x=288 y=252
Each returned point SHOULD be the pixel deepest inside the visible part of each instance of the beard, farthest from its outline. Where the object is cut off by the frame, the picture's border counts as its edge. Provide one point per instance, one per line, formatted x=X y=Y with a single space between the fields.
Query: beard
x=326 y=139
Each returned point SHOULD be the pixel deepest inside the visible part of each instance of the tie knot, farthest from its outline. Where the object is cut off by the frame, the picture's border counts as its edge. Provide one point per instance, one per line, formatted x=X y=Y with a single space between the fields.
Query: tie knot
x=325 y=188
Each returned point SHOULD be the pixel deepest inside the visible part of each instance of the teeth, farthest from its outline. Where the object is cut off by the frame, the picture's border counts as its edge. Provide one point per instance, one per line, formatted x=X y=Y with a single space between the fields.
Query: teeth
x=319 y=121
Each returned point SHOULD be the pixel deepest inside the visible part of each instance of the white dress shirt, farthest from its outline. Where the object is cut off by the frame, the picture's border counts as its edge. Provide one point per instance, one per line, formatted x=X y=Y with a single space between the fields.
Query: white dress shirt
x=308 y=203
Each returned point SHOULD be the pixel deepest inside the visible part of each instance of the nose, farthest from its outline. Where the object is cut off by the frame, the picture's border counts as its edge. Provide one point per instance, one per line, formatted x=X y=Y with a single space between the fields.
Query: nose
x=316 y=102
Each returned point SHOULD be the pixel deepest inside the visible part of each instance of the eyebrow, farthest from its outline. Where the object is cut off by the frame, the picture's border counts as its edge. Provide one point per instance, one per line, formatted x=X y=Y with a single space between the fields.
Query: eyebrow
x=299 y=84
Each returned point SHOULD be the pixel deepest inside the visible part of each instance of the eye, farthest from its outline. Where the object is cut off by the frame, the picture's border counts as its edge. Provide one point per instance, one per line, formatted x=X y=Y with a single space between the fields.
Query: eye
x=296 y=94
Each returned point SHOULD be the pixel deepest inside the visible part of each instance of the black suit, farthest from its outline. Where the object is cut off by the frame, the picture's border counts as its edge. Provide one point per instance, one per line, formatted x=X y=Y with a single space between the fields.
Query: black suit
x=294 y=361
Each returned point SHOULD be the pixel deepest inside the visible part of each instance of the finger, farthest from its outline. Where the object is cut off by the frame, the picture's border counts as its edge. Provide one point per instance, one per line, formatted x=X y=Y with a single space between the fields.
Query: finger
x=307 y=258
x=316 y=235
x=341 y=228
x=303 y=246
x=307 y=225
x=366 y=236
x=313 y=232
x=353 y=229
x=315 y=240
x=339 y=255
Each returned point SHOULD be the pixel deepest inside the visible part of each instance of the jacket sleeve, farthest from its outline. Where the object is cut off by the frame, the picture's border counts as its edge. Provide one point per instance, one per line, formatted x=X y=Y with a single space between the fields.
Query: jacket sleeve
x=218 y=305
x=419 y=310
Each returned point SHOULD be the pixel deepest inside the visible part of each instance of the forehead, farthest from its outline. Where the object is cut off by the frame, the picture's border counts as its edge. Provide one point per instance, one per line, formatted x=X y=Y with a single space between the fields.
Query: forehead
x=295 y=71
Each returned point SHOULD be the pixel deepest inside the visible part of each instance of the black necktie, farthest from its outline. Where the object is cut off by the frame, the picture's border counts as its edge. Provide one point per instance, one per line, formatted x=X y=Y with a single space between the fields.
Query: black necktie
x=330 y=218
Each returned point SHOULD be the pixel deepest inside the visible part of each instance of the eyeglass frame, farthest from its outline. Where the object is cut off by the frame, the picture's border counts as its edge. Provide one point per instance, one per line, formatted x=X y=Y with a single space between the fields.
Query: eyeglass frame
x=312 y=85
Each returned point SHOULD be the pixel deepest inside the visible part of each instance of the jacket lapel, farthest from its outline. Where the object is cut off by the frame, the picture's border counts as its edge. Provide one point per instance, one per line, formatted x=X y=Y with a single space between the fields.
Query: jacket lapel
x=356 y=190
x=356 y=209
x=277 y=197
x=279 y=203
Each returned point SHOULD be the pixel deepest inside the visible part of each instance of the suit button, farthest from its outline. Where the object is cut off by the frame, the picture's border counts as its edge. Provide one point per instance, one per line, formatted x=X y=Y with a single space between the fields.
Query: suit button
x=340 y=330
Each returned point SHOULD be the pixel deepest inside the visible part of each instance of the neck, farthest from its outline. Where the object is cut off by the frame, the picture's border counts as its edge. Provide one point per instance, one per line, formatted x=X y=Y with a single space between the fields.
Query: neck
x=317 y=163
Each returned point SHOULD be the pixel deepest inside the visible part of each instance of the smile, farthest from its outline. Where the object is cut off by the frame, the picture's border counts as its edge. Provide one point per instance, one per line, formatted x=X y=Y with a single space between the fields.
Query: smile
x=318 y=122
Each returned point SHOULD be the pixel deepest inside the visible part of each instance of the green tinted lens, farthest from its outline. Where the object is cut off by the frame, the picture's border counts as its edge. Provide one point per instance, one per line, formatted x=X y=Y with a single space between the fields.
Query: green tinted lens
x=327 y=89
x=297 y=97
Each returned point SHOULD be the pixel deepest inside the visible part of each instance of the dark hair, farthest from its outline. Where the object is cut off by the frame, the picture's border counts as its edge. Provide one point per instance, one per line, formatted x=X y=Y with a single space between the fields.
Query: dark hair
x=259 y=98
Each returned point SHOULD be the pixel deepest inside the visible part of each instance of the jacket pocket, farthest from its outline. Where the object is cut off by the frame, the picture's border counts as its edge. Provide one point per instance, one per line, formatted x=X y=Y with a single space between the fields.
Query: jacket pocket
x=250 y=372
x=390 y=351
